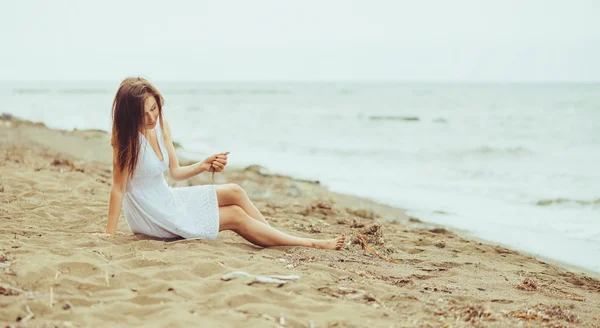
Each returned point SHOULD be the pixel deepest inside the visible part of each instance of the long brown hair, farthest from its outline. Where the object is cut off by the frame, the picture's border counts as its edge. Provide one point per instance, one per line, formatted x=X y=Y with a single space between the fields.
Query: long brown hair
x=128 y=119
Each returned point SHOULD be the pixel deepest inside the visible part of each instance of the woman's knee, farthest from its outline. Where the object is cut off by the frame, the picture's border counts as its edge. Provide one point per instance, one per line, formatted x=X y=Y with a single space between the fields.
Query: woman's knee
x=235 y=193
x=230 y=194
x=231 y=217
x=236 y=190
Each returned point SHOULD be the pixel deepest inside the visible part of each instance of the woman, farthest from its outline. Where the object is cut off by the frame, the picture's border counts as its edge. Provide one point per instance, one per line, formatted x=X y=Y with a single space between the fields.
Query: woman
x=143 y=150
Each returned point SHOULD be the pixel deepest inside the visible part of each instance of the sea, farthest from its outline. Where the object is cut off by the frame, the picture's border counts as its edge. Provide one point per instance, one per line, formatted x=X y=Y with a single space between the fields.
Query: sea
x=516 y=164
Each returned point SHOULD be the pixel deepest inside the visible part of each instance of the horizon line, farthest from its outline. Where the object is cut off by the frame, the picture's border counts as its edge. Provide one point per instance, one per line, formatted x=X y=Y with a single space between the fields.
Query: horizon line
x=417 y=81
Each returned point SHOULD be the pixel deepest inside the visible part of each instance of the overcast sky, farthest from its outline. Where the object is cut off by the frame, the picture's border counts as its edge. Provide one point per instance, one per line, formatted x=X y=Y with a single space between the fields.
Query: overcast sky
x=459 y=40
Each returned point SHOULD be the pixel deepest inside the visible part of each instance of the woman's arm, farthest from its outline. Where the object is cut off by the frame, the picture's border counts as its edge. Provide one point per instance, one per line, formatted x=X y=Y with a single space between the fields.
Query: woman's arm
x=179 y=173
x=116 y=194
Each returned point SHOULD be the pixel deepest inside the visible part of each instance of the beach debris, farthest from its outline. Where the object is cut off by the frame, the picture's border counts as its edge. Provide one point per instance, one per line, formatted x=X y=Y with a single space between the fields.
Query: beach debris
x=1 y=188
x=441 y=231
x=588 y=283
x=528 y=284
x=10 y=291
x=323 y=205
x=544 y=313
x=267 y=317
x=315 y=227
x=366 y=246
x=264 y=279
x=373 y=234
x=472 y=313
x=342 y=220
x=503 y=250
x=349 y=293
x=440 y=244
x=439 y=288
x=356 y=223
x=363 y=213
x=319 y=208
x=29 y=316
x=414 y=219
x=63 y=162
x=281 y=319
x=67 y=306
x=574 y=298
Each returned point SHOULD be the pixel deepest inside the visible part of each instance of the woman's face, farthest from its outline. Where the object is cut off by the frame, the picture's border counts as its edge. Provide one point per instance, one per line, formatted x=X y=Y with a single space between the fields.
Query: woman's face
x=150 y=112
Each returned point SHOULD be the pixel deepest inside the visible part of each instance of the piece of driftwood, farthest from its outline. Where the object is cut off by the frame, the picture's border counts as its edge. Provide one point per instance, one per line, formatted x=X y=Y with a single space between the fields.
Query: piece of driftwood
x=372 y=250
x=264 y=279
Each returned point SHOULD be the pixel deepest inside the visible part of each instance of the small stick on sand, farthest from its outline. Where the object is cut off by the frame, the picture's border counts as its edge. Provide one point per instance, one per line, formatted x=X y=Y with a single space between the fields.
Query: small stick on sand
x=372 y=250
x=29 y=316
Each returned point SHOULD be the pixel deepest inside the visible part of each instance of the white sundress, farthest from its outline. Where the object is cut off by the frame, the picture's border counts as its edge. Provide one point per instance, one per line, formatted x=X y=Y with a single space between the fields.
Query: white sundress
x=153 y=208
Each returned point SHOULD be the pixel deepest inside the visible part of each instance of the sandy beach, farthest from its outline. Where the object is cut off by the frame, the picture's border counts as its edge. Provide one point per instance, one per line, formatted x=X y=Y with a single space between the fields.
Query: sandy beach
x=395 y=270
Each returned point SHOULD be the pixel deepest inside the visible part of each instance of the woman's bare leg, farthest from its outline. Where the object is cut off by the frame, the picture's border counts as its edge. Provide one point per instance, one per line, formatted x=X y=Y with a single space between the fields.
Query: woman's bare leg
x=233 y=194
x=234 y=218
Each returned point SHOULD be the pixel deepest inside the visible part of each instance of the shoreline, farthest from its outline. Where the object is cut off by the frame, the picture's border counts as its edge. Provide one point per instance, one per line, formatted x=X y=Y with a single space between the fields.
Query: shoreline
x=471 y=235
x=426 y=224
x=54 y=189
x=264 y=171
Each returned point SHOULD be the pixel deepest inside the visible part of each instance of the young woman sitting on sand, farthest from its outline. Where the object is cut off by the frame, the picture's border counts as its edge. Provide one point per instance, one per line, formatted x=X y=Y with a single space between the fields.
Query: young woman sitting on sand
x=143 y=150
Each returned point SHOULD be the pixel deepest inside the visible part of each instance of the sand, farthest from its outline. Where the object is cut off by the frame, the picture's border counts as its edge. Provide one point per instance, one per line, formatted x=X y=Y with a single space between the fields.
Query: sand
x=395 y=271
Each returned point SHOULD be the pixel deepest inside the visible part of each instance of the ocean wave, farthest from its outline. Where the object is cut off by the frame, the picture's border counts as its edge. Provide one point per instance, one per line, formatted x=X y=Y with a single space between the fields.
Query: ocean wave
x=393 y=118
x=31 y=91
x=60 y=91
x=227 y=92
x=84 y=91
x=562 y=201
x=486 y=150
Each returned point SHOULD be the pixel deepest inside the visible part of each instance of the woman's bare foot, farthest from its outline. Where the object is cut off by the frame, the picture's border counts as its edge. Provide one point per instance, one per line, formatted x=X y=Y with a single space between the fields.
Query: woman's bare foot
x=333 y=244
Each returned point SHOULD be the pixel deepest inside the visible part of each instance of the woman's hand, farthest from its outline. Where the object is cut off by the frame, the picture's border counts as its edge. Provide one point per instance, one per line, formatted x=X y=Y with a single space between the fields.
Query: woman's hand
x=216 y=162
